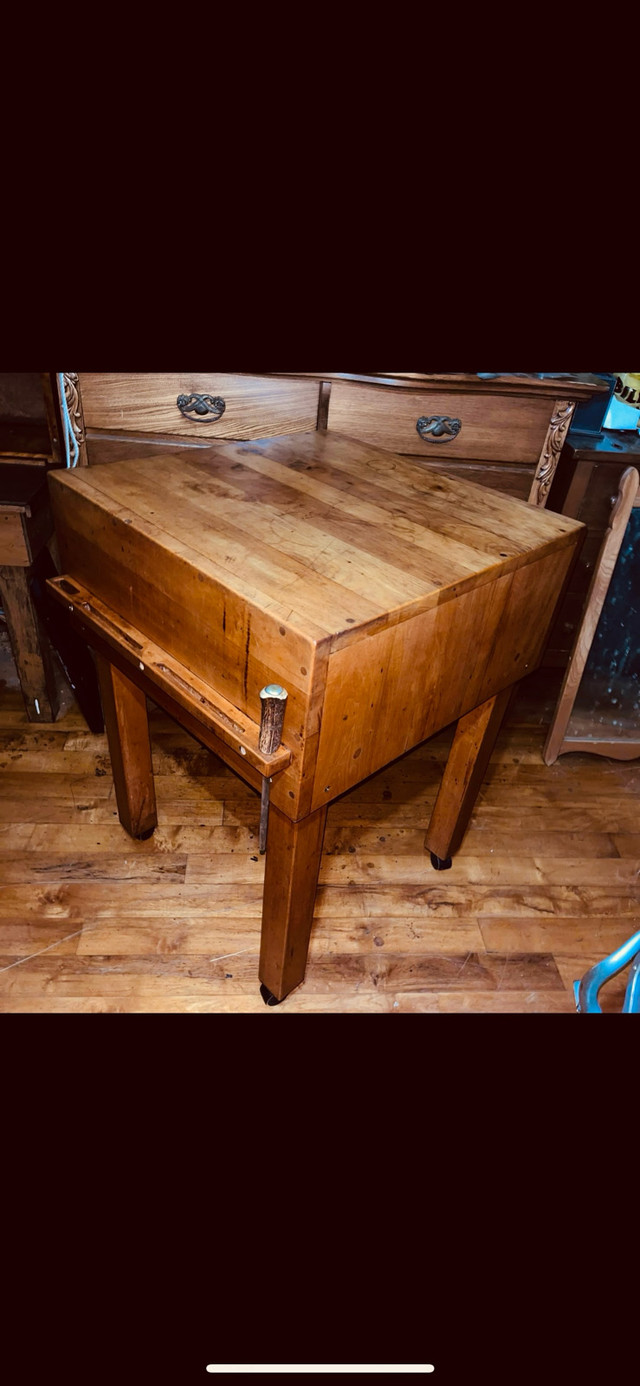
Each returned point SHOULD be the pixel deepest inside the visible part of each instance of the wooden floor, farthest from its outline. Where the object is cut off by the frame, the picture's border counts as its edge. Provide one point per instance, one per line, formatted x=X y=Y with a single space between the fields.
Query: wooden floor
x=546 y=884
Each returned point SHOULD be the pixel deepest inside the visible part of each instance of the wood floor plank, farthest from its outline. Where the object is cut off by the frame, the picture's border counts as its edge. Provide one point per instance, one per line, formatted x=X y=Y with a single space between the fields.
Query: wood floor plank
x=508 y=1003
x=442 y=902
x=27 y=867
x=19 y=941
x=227 y=936
x=498 y=869
x=546 y=883
x=614 y=814
x=79 y=974
x=16 y=835
x=462 y=901
x=380 y=870
x=79 y=900
x=628 y=845
x=95 y=838
x=185 y=1003
x=592 y=935
x=481 y=840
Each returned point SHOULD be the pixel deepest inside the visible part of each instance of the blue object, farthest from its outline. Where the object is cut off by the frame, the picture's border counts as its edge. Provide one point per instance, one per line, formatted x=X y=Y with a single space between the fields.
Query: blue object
x=72 y=450
x=589 y=417
x=621 y=416
x=586 y=991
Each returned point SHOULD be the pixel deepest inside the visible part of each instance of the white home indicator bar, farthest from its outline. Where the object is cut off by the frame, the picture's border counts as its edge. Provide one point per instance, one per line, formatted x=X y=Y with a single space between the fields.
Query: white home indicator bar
x=316 y=1368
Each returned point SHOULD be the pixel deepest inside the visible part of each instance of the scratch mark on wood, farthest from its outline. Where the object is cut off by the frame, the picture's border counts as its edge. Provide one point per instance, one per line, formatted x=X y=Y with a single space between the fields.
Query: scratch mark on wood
x=246 y=658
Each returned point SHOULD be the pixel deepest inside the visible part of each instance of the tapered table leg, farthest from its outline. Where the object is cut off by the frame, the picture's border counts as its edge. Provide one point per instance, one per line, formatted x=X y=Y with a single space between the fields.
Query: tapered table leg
x=292 y=867
x=475 y=738
x=127 y=723
x=32 y=652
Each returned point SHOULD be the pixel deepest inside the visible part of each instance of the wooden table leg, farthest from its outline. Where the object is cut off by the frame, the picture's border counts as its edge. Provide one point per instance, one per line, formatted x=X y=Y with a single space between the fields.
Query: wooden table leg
x=125 y=714
x=466 y=767
x=31 y=650
x=293 y=864
x=73 y=653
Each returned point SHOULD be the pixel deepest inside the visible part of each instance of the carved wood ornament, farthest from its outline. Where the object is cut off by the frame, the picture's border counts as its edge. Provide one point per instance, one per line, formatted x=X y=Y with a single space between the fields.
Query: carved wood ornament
x=76 y=416
x=554 y=443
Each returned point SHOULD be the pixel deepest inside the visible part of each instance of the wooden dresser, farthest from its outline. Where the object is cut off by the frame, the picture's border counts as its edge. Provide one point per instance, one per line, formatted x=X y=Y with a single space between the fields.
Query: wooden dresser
x=506 y=433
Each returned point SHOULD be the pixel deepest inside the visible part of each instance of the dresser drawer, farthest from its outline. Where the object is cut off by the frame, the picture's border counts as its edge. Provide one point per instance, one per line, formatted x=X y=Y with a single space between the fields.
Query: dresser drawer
x=211 y=405
x=479 y=427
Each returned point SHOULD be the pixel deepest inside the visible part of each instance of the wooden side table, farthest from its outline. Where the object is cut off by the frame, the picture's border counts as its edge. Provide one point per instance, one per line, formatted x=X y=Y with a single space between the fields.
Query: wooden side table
x=386 y=601
x=26 y=524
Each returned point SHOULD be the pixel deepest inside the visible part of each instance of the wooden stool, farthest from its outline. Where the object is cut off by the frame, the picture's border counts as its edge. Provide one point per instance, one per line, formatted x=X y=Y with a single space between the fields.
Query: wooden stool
x=25 y=526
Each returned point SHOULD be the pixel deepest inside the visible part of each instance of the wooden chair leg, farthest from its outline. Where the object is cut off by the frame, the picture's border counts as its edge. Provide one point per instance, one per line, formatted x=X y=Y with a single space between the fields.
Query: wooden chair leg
x=475 y=738
x=127 y=723
x=34 y=658
x=293 y=865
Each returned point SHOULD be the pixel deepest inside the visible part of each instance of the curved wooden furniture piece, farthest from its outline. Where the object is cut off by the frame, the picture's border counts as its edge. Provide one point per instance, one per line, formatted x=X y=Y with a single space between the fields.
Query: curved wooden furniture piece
x=573 y=729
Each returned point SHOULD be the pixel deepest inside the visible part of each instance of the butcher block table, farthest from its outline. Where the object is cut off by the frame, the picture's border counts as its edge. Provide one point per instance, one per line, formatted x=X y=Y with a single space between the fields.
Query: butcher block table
x=371 y=600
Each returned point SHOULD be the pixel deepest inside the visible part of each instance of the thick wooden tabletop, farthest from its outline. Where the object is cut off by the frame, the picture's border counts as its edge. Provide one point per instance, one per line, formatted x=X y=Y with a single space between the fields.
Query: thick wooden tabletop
x=324 y=533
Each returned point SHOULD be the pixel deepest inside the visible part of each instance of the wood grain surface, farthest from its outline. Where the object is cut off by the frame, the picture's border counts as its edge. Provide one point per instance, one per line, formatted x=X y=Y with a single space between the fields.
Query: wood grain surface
x=146 y=401
x=32 y=652
x=494 y=428
x=355 y=533
x=545 y=884
x=387 y=601
x=509 y=430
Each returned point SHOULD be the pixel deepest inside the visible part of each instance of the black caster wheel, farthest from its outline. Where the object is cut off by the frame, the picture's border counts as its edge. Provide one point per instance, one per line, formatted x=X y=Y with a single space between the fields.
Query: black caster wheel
x=268 y=997
x=439 y=865
x=144 y=837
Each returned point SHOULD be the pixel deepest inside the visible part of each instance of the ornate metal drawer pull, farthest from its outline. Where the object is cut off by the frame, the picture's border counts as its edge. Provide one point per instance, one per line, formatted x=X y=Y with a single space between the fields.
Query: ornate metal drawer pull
x=439 y=429
x=201 y=408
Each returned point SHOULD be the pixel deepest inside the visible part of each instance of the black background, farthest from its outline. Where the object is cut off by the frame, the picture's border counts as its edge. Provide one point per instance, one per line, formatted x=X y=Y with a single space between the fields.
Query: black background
x=181 y=1191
